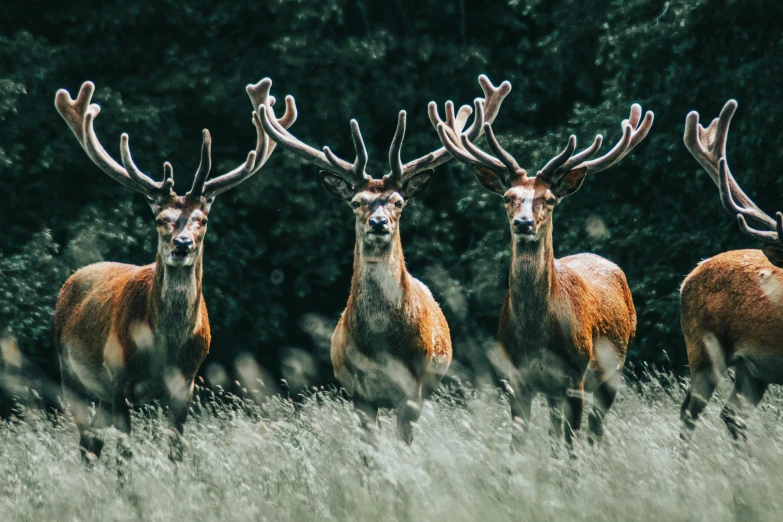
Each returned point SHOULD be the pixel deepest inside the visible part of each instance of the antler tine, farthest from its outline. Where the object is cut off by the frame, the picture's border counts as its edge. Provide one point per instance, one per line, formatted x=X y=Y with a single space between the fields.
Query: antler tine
x=579 y=157
x=505 y=158
x=259 y=96
x=133 y=171
x=493 y=98
x=204 y=165
x=754 y=213
x=80 y=114
x=632 y=136
x=552 y=166
x=395 y=160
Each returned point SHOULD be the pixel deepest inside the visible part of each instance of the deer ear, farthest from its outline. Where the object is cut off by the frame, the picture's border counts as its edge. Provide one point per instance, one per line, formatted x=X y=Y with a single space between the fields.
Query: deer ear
x=490 y=179
x=570 y=182
x=774 y=254
x=336 y=186
x=416 y=185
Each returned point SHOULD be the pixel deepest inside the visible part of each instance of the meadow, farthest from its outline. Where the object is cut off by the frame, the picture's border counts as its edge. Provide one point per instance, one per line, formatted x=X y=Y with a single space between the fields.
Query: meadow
x=274 y=460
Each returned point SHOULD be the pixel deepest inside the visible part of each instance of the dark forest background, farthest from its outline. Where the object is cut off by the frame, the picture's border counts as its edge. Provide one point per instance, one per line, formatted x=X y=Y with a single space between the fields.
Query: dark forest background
x=279 y=251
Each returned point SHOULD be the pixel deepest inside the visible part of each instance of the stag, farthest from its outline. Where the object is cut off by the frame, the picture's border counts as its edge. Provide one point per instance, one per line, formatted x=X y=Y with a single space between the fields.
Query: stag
x=732 y=304
x=129 y=334
x=565 y=324
x=392 y=346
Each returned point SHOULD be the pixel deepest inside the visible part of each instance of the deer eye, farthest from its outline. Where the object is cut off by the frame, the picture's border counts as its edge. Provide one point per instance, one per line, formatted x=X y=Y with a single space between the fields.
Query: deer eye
x=398 y=204
x=506 y=199
x=160 y=222
x=550 y=201
x=355 y=204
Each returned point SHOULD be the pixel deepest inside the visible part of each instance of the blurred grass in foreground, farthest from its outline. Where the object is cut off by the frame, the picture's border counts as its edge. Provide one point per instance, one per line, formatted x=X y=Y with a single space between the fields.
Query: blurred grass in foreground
x=278 y=462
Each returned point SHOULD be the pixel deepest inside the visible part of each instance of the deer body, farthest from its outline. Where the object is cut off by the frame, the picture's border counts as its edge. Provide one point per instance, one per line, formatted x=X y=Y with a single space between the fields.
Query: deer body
x=139 y=333
x=129 y=334
x=565 y=324
x=392 y=343
x=732 y=304
x=558 y=314
x=732 y=313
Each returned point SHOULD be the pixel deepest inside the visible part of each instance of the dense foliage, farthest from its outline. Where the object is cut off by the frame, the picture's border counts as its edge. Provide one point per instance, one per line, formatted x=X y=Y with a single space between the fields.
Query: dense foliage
x=279 y=250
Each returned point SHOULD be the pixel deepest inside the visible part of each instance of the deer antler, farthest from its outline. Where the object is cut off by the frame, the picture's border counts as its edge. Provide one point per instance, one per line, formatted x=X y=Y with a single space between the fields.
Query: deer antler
x=354 y=173
x=487 y=106
x=80 y=114
x=708 y=146
x=635 y=129
x=259 y=97
x=462 y=147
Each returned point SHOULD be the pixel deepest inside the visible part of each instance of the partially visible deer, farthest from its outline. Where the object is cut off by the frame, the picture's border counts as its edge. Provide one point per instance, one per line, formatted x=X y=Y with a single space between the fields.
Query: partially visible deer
x=732 y=304
x=392 y=345
x=566 y=323
x=130 y=334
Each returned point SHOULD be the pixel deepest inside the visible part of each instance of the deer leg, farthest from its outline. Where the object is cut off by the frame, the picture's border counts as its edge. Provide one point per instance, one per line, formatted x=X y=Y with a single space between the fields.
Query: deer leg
x=90 y=442
x=751 y=389
x=367 y=411
x=179 y=406
x=520 y=401
x=407 y=414
x=555 y=405
x=603 y=398
x=121 y=416
x=703 y=384
x=574 y=406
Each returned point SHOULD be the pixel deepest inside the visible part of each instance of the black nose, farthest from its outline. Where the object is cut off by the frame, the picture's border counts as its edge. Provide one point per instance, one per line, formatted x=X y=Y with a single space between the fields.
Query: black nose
x=378 y=224
x=523 y=225
x=182 y=243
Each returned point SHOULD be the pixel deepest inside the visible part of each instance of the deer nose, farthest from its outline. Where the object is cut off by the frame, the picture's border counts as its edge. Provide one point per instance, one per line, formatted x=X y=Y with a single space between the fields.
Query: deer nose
x=183 y=243
x=378 y=224
x=523 y=225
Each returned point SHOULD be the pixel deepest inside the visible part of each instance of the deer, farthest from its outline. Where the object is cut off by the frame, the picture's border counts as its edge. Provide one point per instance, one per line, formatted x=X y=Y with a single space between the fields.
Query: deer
x=566 y=323
x=392 y=344
x=127 y=334
x=731 y=304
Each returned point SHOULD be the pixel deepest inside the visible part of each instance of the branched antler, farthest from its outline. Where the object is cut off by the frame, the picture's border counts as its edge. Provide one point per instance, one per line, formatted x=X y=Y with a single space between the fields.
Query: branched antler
x=635 y=129
x=80 y=114
x=708 y=146
x=355 y=174
x=461 y=146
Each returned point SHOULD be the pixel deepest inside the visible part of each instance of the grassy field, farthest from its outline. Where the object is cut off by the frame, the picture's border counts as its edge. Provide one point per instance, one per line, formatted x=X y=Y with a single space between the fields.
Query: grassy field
x=275 y=462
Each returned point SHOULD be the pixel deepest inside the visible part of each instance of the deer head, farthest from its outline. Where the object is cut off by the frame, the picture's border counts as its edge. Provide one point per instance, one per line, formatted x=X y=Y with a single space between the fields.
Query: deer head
x=530 y=201
x=181 y=220
x=708 y=146
x=378 y=203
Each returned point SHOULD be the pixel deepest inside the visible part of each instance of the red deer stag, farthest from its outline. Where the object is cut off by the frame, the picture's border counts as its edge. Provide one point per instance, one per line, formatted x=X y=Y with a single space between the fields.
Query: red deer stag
x=732 y=304
x=129 y=333
x=392 y=344
x=566 y=323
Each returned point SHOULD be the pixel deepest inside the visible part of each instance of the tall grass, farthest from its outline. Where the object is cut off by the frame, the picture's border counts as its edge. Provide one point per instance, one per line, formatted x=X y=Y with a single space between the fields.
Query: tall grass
x=277 y=462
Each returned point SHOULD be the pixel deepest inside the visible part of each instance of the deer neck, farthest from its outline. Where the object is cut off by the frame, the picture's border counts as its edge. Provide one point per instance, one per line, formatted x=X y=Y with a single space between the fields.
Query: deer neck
x=176 y=301
x=379 y=276
x=532 y=279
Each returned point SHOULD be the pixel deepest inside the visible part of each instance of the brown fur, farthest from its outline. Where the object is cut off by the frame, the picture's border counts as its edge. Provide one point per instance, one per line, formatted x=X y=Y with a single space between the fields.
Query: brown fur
x=732 y=315
x=392 y=344
x=129 y=334
x=566 y=323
